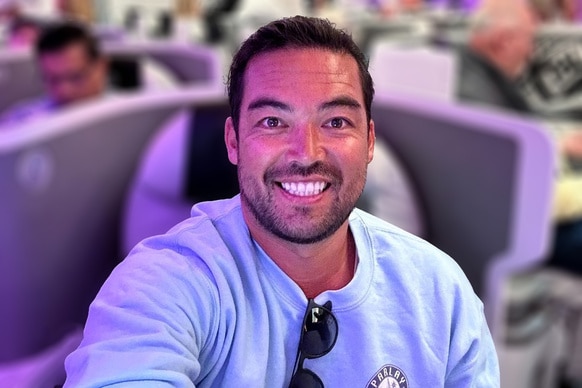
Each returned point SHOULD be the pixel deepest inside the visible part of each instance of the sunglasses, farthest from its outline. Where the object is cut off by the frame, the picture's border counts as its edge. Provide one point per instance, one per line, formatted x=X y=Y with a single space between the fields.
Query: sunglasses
x=318 y=336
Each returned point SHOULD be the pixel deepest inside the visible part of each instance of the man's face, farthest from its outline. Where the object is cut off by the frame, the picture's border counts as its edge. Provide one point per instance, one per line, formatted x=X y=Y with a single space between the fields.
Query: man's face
x=70 y=75
x=521 y=45
x=303 y=143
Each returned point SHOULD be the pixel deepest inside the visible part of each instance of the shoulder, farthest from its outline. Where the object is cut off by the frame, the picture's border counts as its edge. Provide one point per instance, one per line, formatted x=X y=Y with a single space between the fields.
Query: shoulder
x=382 y=233
x=26 y=110
x=203 y=241
x=193 y=258
x=211 y=225
x=407 y=259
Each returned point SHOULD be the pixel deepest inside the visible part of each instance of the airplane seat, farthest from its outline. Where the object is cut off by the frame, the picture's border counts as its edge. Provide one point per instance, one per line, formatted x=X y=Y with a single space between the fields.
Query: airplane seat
x=485 y=180
x=184 y=164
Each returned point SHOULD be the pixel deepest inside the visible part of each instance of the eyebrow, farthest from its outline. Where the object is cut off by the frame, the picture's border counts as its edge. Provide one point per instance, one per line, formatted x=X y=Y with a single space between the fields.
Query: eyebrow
x=343 y=101
x=268 y=102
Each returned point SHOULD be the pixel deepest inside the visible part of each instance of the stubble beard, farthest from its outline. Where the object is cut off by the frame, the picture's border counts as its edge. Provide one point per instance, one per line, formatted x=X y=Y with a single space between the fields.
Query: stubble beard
x=300 y=225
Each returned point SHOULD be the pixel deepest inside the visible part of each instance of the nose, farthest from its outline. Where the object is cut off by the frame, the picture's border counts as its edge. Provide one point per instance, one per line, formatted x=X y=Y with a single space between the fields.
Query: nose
x=305 y=144
x=63 y=89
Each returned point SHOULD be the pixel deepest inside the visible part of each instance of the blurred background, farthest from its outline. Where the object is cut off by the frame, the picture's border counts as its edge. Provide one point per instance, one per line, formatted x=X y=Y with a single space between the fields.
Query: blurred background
x=111 y=128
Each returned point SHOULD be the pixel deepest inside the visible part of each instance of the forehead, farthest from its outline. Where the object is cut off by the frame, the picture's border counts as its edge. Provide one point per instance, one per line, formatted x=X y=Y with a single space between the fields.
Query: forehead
x=70 y=55
x=308 y=73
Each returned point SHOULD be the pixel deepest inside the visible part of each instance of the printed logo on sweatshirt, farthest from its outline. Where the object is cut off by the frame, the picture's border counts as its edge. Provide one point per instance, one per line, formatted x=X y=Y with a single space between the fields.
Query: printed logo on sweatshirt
x=389 y=376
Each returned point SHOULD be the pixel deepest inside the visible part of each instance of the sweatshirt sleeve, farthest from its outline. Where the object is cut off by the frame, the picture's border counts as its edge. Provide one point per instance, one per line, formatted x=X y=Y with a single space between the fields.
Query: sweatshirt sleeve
x=140 y=330
x=473 y=361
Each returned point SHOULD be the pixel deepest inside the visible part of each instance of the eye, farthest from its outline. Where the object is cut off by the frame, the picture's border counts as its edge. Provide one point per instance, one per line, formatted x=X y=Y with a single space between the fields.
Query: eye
x=336 y=122
x=271 y=122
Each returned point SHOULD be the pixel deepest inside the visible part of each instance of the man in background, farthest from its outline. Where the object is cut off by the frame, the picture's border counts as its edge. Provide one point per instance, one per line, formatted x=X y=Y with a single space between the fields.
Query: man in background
x=498 y=51
x=72 y=69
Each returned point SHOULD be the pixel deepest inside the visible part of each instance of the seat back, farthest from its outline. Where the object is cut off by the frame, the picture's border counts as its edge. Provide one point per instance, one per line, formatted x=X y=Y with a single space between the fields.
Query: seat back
x=185 y=163
x=416 y=71
x=485 y=180
x=64 y=182
x=188 y=63
x=19 y=75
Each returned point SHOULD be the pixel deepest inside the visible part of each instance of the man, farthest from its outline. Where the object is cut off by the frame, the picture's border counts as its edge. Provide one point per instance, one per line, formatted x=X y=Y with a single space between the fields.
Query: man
x=287 y=284
x=72 y=68
x=498 y=51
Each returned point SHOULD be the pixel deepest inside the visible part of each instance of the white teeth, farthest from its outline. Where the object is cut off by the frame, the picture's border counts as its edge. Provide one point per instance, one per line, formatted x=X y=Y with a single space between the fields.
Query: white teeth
x=303 y=189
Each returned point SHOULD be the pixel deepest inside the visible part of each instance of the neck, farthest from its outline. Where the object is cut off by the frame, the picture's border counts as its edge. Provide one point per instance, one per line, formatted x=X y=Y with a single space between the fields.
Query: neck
x=318 y=267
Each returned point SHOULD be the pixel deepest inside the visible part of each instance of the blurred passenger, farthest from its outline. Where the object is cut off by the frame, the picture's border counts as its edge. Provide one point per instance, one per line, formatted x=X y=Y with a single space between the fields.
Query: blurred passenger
x=72 y=68
x=23 y=32
x=498 y=51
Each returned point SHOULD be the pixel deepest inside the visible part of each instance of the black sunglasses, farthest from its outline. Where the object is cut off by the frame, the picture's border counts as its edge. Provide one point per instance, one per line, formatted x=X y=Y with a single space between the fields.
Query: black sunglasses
x=318 y=336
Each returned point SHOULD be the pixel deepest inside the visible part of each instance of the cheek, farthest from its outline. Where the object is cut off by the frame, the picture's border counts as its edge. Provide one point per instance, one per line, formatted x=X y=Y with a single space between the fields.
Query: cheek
x=254 y=156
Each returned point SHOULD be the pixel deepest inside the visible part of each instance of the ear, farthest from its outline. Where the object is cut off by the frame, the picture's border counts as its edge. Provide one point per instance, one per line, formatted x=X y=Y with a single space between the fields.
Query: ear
x=231 y=141
x=371 y=140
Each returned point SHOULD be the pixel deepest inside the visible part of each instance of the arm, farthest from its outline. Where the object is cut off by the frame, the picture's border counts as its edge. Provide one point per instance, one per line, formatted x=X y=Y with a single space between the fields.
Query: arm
x=479 y=367
x=472 y=360
x=145 y=327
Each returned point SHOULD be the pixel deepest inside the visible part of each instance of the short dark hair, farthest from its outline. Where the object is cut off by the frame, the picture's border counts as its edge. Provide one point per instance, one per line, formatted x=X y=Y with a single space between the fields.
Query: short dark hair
x=56 y=37
x=295 y=32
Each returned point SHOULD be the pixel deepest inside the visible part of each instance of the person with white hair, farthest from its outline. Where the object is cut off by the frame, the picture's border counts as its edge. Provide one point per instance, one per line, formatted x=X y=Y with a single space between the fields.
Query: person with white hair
x=499 y=48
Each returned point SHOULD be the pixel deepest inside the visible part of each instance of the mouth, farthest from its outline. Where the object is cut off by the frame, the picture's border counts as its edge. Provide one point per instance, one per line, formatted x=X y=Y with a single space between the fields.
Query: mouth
x=304 y=189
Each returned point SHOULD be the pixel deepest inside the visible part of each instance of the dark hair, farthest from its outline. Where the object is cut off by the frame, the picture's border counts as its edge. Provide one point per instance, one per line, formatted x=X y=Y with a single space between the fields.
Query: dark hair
x=56 y=37
x=294 y=32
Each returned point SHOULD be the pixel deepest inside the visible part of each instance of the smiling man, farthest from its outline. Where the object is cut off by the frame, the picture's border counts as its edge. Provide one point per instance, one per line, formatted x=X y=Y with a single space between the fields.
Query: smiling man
x=287 y=284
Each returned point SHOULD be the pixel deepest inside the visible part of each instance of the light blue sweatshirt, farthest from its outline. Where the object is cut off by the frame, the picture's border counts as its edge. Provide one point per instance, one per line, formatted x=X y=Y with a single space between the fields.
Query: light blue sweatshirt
x=204 y=306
